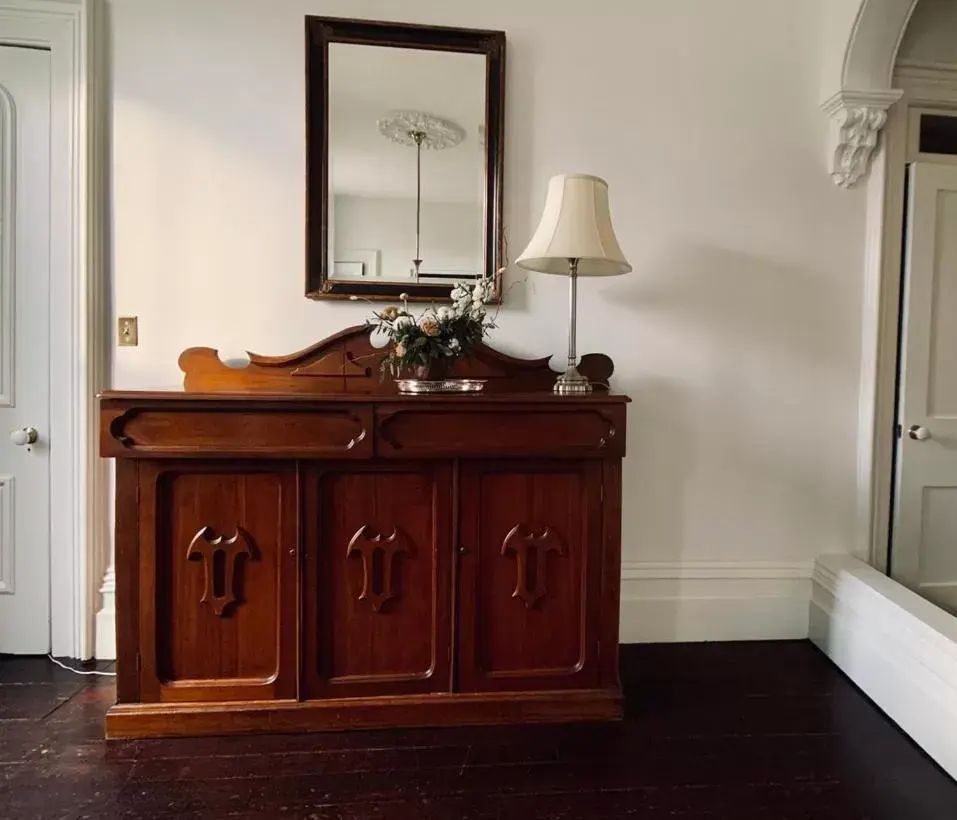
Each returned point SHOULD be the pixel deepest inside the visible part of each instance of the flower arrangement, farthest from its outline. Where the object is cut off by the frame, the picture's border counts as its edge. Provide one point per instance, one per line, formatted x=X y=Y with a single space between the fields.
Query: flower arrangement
x=429 y=345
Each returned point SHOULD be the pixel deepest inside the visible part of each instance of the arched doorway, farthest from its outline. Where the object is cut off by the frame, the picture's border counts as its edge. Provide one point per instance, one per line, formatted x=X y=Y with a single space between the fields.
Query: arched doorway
x=915 y=468
x=869 y=136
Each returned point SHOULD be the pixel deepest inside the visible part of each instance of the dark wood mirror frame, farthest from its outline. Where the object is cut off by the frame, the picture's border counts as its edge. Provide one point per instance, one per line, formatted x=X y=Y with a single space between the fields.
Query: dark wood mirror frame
x=320 y=32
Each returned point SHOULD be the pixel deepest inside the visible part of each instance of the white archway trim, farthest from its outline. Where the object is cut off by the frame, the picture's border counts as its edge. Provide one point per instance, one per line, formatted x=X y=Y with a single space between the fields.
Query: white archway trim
x=874 y=42
x=856 y=120
x=857 y=108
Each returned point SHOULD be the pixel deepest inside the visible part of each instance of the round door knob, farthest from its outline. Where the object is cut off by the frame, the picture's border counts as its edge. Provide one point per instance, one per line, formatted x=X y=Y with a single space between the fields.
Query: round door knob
x=918 y=433
x=25 y=437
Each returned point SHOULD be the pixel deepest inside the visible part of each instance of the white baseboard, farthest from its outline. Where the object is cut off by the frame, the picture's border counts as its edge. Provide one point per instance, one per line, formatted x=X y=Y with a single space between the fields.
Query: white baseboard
x=105 y=635
x=664 y=603
x=105 y=624
x=707 y=601
x=897 y=647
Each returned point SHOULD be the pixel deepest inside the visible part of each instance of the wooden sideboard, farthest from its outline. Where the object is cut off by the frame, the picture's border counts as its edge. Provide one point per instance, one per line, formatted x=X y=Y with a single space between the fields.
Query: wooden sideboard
x=298 y=548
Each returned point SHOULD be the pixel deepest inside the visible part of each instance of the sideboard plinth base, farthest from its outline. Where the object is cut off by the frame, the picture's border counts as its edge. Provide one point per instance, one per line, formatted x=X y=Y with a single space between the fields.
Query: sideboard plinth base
x=137 y=720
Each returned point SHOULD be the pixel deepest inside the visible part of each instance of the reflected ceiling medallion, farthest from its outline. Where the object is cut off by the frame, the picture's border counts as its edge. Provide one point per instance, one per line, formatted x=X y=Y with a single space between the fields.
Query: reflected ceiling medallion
x=420 y=130
x=437 y=133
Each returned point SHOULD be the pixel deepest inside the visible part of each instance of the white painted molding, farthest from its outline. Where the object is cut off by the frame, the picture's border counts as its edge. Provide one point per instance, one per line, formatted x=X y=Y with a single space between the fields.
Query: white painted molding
x=79 y=340
x=873 y=42
x=713 y=570
x=856 y=119
x=898 y=648
x=8 y=200
x=98 y=336
x=917 y=73
x=7 y=489
x=105 y=639
x=714 y=601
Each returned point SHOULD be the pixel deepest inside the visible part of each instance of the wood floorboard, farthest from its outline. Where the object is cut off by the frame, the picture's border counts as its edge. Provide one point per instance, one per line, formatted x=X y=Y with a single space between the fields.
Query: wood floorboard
x=769 y=731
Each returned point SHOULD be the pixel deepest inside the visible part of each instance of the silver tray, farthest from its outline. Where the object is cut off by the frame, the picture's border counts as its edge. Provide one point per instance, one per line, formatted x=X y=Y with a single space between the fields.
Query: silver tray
x=440 y=385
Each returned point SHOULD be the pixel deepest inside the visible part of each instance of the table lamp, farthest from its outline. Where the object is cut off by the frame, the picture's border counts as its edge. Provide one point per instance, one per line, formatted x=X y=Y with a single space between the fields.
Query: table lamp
x=575 y=238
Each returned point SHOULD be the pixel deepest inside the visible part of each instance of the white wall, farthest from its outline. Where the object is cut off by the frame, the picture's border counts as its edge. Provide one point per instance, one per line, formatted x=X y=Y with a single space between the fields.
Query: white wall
x=452 y=233
x=931 y=35
x=738 y=333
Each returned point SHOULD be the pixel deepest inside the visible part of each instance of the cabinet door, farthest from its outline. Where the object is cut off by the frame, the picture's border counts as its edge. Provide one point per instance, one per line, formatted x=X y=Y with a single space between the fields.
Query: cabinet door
x=218 y=567
x=377 y=606
x=529 y=574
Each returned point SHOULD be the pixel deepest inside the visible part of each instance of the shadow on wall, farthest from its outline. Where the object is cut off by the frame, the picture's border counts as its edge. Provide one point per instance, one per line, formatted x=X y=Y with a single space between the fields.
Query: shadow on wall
x=743 y=444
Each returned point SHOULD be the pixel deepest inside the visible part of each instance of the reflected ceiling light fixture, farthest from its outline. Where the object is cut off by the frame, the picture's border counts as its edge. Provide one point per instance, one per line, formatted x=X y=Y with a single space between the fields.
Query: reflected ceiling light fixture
x=420 y=130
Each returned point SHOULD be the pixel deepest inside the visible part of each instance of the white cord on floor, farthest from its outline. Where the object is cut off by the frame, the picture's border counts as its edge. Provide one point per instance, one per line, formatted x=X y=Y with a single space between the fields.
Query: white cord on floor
x=82 y=671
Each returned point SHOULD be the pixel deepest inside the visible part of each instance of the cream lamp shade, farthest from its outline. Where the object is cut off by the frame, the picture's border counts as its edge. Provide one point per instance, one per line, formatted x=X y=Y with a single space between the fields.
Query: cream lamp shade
x=576 y=224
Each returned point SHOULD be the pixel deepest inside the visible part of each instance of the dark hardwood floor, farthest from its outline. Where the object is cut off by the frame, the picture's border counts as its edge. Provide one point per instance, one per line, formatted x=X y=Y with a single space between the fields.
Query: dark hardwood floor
x=758 y=731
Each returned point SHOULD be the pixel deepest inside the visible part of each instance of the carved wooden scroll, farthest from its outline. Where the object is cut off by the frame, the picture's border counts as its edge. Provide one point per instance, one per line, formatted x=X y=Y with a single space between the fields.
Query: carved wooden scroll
x=220 y=584
x=347 y=362
x=527 y=546
x=378 y=563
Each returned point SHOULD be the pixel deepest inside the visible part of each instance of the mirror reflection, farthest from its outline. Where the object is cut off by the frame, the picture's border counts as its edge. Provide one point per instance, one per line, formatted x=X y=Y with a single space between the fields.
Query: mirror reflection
x=407 y=165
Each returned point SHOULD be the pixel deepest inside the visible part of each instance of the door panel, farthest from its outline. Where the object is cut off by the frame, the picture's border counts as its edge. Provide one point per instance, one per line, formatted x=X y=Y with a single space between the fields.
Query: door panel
x=25 y=102
x=531 y=536
x=378 y=580
x=218 y=573
x=924 y=542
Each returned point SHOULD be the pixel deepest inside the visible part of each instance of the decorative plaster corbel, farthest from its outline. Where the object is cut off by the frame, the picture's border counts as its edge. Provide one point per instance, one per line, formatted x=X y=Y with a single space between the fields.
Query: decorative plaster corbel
x=857 y=118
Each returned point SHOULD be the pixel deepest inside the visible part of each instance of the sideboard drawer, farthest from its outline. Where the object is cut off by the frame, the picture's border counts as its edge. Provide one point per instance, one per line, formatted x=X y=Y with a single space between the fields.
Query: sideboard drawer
x=434 y=429
x=183 y=430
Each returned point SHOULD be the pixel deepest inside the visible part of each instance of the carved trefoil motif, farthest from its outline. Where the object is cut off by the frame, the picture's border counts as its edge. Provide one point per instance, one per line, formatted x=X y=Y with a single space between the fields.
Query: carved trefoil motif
x=219 y=587
x=378 y=563
x=529 y=547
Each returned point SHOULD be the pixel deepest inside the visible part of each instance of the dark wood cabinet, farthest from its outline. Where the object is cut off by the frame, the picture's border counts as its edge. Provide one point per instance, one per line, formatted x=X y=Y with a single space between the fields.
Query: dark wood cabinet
x=344 y=557
x=378 y=569
x=529 y=578
x=217 y=581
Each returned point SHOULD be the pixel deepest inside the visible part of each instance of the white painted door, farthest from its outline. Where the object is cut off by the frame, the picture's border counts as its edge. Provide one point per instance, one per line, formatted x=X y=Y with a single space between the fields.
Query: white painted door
x=924 y=539
x=25 y=101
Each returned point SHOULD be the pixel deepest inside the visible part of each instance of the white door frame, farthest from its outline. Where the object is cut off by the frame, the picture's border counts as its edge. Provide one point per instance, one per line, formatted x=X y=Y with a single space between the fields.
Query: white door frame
x=861 y=102
x=79 y=309
x=924 y=85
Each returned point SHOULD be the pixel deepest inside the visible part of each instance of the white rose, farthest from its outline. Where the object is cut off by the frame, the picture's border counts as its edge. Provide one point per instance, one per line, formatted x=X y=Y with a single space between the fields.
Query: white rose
x=445 y=313
x=478 y=292
x=454 y=344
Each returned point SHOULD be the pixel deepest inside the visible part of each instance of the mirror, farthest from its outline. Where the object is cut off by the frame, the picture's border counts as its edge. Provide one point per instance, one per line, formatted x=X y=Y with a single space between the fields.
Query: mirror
x=405 y=132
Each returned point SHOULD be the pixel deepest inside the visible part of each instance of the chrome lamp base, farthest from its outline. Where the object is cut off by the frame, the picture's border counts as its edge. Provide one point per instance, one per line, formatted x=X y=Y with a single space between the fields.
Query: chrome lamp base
x=572 y=383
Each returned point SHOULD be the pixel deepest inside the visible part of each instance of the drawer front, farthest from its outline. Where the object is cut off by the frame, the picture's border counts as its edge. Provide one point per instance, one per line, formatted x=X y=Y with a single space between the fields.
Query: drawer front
x=338 y=431
x=435 y=430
